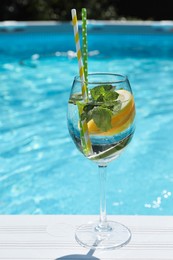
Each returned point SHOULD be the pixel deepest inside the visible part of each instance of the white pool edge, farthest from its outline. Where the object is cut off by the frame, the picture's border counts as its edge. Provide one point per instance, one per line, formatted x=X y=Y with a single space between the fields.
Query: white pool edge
x=25 y=237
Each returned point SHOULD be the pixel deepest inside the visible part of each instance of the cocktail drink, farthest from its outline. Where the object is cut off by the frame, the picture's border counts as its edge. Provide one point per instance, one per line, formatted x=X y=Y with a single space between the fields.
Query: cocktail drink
x=109 y=114
x=101 y=115
x=101 y=127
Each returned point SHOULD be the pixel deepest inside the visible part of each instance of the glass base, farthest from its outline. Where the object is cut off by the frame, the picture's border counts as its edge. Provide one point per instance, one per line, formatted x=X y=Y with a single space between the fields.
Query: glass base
x=91 y=236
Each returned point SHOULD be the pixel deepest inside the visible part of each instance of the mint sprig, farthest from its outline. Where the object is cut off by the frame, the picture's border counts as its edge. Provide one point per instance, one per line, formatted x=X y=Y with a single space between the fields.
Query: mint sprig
x=102 y=105
x=104 y=93
x=102 y=118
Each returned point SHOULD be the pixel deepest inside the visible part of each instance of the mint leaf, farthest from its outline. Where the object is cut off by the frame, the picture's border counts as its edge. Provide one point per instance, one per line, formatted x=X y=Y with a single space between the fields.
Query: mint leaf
x=111 y=95
x=88 y=107
x=87 y=112
x=117 y=106
x=104 y=93
x=114 y=106
x=100 y=98
x=108 y=87
x=102 y=118
x=96 y=92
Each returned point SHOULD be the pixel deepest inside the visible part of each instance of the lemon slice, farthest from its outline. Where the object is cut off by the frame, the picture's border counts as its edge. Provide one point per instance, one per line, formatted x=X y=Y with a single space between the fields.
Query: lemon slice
x=121 y=119
x=124 y=96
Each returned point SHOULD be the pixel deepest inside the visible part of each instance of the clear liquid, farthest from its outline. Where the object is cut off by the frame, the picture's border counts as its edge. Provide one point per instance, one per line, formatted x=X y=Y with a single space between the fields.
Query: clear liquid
x=105 y=148
x=104 y=153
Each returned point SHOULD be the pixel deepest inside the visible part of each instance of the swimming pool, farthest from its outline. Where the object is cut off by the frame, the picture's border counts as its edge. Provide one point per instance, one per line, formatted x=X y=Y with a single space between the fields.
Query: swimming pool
x=41 y=171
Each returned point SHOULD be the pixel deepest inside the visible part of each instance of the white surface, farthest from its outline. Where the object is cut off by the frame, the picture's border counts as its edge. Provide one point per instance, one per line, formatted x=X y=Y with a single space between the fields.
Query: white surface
x=25 y=237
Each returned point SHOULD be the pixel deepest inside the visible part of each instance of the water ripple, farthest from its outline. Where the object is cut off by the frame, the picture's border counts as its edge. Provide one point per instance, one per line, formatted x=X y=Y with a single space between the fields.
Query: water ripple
x=41 y=171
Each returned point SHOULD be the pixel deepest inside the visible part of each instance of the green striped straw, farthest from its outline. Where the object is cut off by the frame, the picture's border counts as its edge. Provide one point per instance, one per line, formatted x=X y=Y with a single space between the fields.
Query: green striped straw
x=84 y=134
x=84 y=43
x=85 y=139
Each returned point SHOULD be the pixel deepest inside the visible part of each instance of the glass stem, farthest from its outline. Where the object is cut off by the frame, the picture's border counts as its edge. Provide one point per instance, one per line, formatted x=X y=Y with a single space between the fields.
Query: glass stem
x=103 y=225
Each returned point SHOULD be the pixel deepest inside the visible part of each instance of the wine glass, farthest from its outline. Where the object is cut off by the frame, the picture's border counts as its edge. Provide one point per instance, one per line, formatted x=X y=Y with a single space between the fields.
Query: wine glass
x=101 y=126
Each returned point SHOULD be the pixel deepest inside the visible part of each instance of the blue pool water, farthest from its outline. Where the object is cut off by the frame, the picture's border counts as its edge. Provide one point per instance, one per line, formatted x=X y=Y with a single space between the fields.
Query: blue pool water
x=41 y=171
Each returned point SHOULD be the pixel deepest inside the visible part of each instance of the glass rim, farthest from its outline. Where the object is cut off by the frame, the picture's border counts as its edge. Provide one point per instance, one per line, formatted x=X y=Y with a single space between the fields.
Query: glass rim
x=124 y=78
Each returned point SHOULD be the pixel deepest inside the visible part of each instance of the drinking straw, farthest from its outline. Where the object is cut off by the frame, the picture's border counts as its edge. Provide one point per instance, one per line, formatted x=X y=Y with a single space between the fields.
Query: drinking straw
x=85 y=43
x=85 y=139
x=79 y=55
